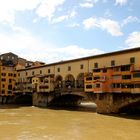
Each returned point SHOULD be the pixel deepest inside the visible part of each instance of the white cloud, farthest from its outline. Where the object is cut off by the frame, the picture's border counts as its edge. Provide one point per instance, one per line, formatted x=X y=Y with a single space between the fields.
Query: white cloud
x=74 y=25
x=9 y=7
x=133 y=40
x=59 y=19
x=48 y=7
x=78 y=52
x=86 y=5
x=130 y=19
x=90 y=23
x=25 y=45
x=121 y=2
x=43 y=8
x=71 y=14
x=109 y=25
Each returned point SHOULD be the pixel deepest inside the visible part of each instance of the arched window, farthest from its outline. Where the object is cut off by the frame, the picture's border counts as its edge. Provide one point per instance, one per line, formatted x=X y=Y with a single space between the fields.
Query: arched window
x=69 y=81
x=80 y=80
x=59 y=81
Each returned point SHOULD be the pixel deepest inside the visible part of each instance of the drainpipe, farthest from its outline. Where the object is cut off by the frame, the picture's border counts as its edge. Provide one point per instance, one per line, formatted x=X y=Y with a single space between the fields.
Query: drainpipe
x=88 y=66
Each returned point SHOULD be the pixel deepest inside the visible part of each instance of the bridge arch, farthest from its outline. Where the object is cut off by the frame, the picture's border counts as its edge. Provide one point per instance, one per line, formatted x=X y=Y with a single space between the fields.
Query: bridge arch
x=23 y=99
x=80 y=80
x=59 y=81
x=69 y=81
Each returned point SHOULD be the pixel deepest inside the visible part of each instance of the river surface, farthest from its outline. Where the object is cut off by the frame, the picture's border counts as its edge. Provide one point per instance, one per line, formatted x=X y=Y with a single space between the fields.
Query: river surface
x=33 y=123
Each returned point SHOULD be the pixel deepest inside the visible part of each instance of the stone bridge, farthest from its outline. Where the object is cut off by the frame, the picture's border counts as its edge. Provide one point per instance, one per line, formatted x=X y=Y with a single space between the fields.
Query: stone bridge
x=106 y=102
x=60 y=97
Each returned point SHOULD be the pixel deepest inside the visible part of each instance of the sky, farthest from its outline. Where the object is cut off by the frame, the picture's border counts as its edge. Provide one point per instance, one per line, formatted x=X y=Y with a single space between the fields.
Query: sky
x=58 y=30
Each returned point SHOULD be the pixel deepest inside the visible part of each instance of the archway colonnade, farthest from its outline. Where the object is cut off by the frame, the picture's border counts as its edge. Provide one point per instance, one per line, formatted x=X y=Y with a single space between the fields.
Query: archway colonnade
x=69 y=81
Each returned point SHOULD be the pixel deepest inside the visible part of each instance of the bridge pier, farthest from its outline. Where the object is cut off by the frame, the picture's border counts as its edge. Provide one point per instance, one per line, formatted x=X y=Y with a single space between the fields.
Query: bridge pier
x=6 y=99
x=113 y=102
x=42 y=99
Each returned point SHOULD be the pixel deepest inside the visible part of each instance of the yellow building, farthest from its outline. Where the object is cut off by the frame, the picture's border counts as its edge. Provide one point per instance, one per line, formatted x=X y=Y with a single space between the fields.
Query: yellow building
x=8 y=79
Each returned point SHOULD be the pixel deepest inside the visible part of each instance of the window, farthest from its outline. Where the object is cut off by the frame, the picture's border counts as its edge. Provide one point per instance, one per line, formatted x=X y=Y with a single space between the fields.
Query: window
x=96 y=77
x=10 y=80
x=10 y=74
x=33 y=72
x=88 y=86
x=26 y=73
x=3 y=74
x=125 y=68
x=9 y=87
x=69 y=68
x=3 y=79
x=19 y=74
x=112 y=62
x=126 y=86
x=49 y=71
x=9 y=92
x=58 y=69
x=3 y=91
x=88 y=78
x=40 y=71
x=104 y=70
x=97 y=85
x=132 y=60
x=96 y=70
x=136 y=75
x=3 y=86
x=126 y=77
x=96 y=65
x=116 y=69
x=116 y=85
x=136 y=85
x=81 y=66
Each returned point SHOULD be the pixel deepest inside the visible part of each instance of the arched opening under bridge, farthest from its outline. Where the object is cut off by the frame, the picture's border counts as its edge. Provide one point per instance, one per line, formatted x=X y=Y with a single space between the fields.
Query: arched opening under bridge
x=23 y=99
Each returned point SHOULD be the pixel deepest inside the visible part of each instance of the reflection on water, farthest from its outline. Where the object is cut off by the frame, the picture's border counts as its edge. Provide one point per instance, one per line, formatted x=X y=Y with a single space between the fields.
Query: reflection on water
x=32 y=123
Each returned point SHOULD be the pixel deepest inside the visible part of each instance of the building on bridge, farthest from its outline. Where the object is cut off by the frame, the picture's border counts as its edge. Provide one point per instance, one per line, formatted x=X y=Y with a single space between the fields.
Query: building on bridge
x=111 y=72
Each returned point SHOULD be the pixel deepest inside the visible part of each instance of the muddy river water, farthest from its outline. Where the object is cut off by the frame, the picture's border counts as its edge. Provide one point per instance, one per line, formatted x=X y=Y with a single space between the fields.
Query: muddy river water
x=33 y=123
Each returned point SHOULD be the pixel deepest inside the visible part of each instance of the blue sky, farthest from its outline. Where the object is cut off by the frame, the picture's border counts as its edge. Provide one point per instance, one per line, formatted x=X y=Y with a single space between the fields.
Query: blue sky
x=55 y=30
